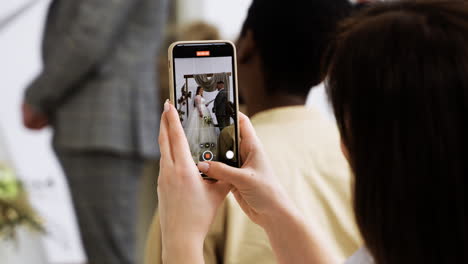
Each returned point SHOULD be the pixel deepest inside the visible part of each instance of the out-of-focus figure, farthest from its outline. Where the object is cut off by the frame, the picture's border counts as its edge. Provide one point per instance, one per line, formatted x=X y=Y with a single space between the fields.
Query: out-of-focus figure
x=96 y=91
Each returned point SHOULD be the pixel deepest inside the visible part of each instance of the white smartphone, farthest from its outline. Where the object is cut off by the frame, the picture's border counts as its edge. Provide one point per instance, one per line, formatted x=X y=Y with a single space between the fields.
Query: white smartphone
x=203 y=88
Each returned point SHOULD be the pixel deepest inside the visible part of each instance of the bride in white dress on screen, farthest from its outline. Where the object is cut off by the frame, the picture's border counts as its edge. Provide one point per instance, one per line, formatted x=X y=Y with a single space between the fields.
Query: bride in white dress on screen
x=200 y=130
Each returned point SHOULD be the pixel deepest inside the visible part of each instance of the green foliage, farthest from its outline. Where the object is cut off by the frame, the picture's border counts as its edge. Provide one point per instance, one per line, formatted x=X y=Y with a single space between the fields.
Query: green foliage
x=15 y=209
x=208 y=120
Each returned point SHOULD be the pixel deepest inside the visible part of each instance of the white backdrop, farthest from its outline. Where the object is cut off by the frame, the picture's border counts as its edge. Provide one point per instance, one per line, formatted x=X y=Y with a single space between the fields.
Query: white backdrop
x=227 y=15
x=30 y=152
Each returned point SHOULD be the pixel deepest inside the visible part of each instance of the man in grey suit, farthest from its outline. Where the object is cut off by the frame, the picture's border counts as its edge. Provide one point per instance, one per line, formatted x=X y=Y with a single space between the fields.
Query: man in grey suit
x=220 y=107
x=97 y=91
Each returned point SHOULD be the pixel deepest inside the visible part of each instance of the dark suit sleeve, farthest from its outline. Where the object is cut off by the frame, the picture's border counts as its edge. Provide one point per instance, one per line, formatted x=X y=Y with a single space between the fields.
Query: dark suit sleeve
x=89 y=35
x=224 y=98
x=216 y=103
x=224 y=103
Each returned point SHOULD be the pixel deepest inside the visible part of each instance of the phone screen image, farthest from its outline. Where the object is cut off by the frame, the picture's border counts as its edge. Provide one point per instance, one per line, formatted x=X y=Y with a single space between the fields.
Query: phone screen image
x=205 y=97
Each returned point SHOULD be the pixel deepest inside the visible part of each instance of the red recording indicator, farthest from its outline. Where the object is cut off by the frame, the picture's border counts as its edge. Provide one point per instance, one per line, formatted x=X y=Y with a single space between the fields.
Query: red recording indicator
x=203 y=53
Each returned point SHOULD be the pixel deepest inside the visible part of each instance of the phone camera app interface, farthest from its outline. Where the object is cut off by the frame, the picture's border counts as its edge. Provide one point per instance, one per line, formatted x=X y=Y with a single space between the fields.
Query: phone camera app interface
x=206 y=105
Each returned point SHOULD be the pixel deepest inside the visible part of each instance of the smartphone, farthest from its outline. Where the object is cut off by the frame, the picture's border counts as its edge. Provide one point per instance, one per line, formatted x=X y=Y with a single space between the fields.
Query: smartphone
x=203 y=88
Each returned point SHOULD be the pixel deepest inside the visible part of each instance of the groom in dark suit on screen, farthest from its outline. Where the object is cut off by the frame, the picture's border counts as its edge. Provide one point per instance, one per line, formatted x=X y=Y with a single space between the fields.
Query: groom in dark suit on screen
x=220 y=106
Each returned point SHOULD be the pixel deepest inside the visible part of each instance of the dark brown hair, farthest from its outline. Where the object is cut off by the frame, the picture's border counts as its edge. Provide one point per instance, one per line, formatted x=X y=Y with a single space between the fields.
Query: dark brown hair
x=198 y=90
x=291 y=37
x=398 y=82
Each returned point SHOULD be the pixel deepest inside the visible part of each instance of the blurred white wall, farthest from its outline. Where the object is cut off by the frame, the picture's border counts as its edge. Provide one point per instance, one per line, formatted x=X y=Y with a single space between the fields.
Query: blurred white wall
x=3 y=151
x=30 y=152
x=227 y=15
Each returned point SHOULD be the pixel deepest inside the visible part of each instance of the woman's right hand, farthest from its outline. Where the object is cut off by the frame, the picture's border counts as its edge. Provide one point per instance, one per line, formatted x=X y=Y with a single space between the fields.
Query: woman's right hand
x=262 y=198
x=255 y=186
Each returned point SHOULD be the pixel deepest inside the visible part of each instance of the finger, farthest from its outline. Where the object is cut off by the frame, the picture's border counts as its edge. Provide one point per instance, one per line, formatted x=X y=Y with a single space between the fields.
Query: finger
x=247 y=131
x=177 y=139
x=223 y=172
x=163 y=139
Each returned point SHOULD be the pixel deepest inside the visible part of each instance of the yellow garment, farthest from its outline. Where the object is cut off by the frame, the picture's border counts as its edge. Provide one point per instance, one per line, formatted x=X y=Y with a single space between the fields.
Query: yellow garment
x=304 y=151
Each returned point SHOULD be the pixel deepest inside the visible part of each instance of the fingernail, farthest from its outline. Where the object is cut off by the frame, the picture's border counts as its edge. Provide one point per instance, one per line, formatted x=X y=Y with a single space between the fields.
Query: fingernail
x=203 y=166
x=166 y=105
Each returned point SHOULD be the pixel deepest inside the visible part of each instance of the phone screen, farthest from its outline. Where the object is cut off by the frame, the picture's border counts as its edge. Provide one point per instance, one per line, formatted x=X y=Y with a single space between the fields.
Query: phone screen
x=206 y=98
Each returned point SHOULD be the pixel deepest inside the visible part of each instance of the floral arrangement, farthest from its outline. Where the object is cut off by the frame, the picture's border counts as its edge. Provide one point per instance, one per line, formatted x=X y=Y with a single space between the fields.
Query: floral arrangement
x=208 y=120
x=181 y=114
x=183 y=100
x=15 y=209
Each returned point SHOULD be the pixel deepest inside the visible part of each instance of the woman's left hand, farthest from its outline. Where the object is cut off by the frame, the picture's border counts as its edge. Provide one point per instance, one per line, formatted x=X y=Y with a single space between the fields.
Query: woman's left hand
x=187 y=203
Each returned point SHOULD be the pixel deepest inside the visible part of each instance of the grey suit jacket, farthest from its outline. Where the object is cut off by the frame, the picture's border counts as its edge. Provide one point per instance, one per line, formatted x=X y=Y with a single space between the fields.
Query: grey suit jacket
x=220 y=103
x=98 y=81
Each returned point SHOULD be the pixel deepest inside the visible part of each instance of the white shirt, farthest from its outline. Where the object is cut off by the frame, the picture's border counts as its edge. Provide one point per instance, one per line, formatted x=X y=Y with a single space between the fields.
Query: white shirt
x=361 y=256
x=318 y=98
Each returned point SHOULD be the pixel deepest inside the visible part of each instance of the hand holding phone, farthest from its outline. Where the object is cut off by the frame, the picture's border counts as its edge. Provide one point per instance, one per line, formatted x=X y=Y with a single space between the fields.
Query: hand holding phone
x=201 y=73
x=183 y=196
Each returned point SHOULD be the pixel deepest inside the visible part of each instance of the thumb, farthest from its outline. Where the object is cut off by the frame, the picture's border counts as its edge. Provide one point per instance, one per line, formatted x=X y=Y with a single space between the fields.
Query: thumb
x=222 y=172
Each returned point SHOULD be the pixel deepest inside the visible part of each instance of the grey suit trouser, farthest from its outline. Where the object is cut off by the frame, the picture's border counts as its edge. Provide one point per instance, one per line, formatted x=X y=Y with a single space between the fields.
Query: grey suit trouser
x=104 y=189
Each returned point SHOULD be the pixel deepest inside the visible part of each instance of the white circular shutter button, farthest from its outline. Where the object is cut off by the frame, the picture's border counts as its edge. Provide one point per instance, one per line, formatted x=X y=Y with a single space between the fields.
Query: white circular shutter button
x=229 y=154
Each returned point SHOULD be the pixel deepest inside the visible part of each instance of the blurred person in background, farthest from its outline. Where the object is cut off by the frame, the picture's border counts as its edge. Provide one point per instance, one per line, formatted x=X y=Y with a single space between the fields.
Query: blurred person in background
x=96 y=91
x=279 y=59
